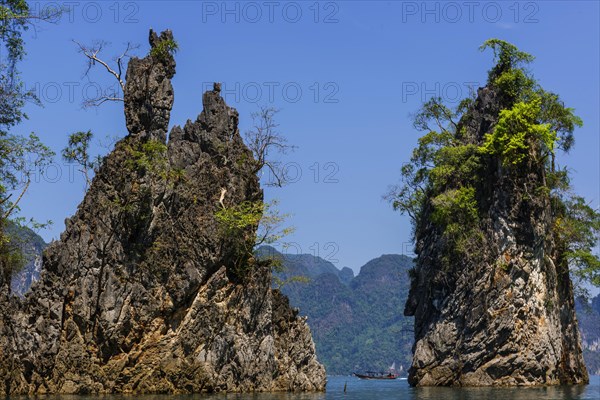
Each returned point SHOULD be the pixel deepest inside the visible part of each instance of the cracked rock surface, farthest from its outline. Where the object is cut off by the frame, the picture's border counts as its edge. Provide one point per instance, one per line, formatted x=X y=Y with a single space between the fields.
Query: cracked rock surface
x=138 y=295
x=505 y=314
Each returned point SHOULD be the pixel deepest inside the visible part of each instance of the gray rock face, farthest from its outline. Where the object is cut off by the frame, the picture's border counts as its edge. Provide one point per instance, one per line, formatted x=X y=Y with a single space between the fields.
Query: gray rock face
x=149 y=94
x=138 y=295
x=505 y=315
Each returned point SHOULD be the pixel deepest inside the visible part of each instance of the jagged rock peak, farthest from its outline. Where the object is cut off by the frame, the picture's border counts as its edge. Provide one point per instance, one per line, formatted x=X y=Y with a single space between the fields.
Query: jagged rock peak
x=503 y=314
x=141 y=294
x=148 y=90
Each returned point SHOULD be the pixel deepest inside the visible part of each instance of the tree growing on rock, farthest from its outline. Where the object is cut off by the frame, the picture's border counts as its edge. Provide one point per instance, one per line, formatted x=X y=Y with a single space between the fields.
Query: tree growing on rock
x=260 y=223
x=445 y=170
x=117 y=66
x=498 y=235
x=78 y=151
x=264 y=139
x=117 y=70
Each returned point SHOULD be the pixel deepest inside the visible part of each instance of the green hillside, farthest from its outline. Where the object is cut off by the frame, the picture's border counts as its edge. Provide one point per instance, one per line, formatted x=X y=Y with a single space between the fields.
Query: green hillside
x=358 y=322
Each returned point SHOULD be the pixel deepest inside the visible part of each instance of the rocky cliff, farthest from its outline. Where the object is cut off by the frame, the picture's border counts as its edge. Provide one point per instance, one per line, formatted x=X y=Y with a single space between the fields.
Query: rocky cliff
x=500 y=311
x=140 y=293
x=347 y=347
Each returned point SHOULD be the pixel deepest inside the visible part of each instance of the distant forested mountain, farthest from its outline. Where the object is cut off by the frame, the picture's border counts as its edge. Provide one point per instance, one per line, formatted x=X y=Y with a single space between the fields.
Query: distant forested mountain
x=588 y=316
x=32 y=246
x=358 y=322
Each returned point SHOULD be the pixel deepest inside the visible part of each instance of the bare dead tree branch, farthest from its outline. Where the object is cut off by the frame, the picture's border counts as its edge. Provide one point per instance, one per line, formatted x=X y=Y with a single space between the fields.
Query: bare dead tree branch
x=92 y=54
x=263 y=139
x=96 y=102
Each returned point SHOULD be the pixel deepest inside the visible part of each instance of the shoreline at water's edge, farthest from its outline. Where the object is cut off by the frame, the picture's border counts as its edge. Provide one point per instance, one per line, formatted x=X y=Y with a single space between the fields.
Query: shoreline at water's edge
x=594 y=381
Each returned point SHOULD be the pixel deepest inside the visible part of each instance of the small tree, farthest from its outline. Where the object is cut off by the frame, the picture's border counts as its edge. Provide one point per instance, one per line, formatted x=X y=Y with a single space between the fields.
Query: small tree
x=164 y=49
x=250 y=225
x=20 y=155
x=78 y=151
x=448 y=171
x=118 y=66
x=263 y=140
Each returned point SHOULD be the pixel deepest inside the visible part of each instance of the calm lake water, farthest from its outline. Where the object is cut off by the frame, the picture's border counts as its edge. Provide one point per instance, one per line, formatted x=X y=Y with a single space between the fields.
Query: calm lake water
x=399 y=389
x=389 y=390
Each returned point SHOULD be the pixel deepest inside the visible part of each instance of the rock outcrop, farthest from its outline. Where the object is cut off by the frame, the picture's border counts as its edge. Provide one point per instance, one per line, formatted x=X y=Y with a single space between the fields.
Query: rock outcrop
x=139 y=295
x=503 y=315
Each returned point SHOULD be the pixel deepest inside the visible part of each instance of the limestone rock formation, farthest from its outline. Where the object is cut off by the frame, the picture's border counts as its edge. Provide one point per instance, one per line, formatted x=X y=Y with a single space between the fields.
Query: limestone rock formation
x=506 y=315
x=139 y=294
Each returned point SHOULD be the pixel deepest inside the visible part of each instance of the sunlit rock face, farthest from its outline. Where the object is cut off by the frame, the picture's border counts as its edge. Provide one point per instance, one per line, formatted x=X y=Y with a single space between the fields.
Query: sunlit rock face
x=138 y=295
x=505 y=314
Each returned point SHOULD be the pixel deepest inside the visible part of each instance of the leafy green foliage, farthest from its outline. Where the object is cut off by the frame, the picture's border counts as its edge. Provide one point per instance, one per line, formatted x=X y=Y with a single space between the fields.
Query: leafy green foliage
x=270 y=228
x=455 y=165
x=164 y=49
x=20 y=155
x=446 y=179
x=518 y=135
x=262 y=218
x=561 y=119
x=440 y=167
x=12 y=259
x=148 y=156
x=151 y=157
x=144 y=157
x=252 y=224
x=513 y=84
x=78 y=151
x=577 y=228
x=409 y=198
x=456 y=212
x=236 y=220
x=146 y=170
x=507 y=57
x=281 y=283
x=455 y=209
x=435 y=112
x=13 y=22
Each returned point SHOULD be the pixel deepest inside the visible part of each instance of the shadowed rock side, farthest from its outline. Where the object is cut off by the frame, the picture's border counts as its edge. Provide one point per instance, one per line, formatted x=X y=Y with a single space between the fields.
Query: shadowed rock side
x=505 y=315
x=138 y=296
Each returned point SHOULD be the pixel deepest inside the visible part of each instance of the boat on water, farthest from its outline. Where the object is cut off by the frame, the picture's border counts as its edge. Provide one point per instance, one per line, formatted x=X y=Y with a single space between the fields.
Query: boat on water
x=376 y=375
x=391 y=374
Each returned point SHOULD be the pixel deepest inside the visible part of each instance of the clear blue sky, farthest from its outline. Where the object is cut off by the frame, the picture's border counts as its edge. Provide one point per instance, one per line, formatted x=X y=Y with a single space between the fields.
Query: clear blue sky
x=362 y=68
